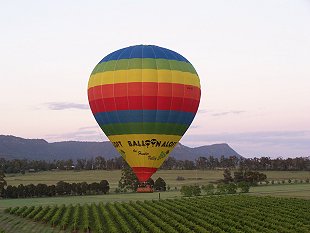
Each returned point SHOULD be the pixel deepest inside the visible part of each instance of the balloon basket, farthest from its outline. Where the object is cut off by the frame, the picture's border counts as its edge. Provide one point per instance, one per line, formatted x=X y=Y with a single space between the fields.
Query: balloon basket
x=144 y=188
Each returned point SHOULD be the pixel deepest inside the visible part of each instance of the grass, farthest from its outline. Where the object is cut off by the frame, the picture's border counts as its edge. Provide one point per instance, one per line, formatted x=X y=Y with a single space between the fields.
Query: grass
x=281 y=190
x=191 y=177
x=87 y=199
x=204 y=177
x=11 y=224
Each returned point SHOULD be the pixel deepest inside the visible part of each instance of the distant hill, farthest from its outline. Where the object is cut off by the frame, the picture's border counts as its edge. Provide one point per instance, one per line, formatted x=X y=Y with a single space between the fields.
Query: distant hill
x=12 y=147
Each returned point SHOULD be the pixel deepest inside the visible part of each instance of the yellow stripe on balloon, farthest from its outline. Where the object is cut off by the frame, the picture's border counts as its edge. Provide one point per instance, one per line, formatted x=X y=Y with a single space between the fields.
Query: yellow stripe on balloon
x=144 y=150
x=143 y=75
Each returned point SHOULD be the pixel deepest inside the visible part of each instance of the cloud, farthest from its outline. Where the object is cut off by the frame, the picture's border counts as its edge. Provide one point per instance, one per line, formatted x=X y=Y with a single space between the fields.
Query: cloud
x=227 y=113
x=89 y=127
x=218 y=114
x=65 y=105
x=88 y=133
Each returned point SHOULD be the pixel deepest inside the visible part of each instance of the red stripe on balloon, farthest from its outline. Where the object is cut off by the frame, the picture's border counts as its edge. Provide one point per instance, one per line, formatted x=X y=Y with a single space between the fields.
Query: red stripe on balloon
x=144 y=103
x=144 y=173
x=143 y=89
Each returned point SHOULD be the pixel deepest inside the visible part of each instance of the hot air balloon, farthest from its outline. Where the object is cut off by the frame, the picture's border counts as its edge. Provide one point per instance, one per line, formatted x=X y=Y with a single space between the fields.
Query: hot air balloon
x=144 y=98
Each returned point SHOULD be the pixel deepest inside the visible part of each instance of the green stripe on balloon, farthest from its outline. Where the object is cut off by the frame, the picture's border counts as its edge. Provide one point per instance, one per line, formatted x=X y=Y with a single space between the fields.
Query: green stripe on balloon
x=144 y=128
x=145 y=63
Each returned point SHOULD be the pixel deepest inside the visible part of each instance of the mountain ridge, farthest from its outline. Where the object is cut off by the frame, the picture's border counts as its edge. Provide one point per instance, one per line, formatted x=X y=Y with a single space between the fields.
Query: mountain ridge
x=12 y=147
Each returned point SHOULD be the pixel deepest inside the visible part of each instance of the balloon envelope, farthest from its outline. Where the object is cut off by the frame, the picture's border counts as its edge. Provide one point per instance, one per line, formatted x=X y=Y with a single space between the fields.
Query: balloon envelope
x=144 y=98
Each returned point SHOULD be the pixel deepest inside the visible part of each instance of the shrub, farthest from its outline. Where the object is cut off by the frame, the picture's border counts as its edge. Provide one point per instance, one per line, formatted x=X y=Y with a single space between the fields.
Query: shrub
x=192 y=190
x=244 y=186
x=231 y=188
x=208 y=189
x=186 y=191
x=196 y=190
x=221 y=188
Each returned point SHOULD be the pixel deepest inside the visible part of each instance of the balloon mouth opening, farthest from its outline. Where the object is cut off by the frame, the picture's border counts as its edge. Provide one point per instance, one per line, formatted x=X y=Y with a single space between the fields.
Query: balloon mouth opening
x=144 y=173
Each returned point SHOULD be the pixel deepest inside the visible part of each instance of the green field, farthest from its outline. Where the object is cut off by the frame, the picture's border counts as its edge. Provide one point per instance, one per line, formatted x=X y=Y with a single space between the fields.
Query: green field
x=283 y=190
x=218 y=214
x=87 y=199
x=12 y=224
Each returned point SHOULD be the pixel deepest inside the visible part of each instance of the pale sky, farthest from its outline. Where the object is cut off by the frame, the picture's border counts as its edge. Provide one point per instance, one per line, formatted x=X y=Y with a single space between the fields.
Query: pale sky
x=252 y=57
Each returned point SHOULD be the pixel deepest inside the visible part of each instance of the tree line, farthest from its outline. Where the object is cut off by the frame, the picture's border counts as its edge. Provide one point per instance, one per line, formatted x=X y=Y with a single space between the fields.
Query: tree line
x=242 y=179
x=60 y=189
x=233 y=162
x=201 y=163
x=211 y=189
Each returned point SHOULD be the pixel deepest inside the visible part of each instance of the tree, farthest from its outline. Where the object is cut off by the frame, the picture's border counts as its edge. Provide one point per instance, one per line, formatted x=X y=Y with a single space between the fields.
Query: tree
x=189 y=165
x=68 y=164
x=201 y=163
x=191 y=190
x=212 y=162
x=31 y=189
x=81 y=164
x=227 y=176
x=84 y=188
x=42 y=190
x=2 y=182
x=63 y=188
x=160 y=184
x=244 y=186
x=51 y=190
x=104 y=186
x=253 y=177
x=238 y=176
x=223 y=188
x=186 y=191
x=89 y=164
x=231 y=188
x=208 y=189
x=196 y=190
x=128 y=179
x=21 y=190
x=100 y=163
x=169 y=163
x=94 y=188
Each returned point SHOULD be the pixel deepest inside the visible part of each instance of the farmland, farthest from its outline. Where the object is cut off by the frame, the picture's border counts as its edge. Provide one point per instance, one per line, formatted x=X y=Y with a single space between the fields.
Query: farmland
x=236 y=213
x=112 y=204
x=191 y=176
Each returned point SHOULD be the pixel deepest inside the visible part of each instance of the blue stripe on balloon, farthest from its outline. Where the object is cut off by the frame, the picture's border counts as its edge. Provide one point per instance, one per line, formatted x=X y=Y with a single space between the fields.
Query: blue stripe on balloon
x=144 y=51
x=127 y=116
